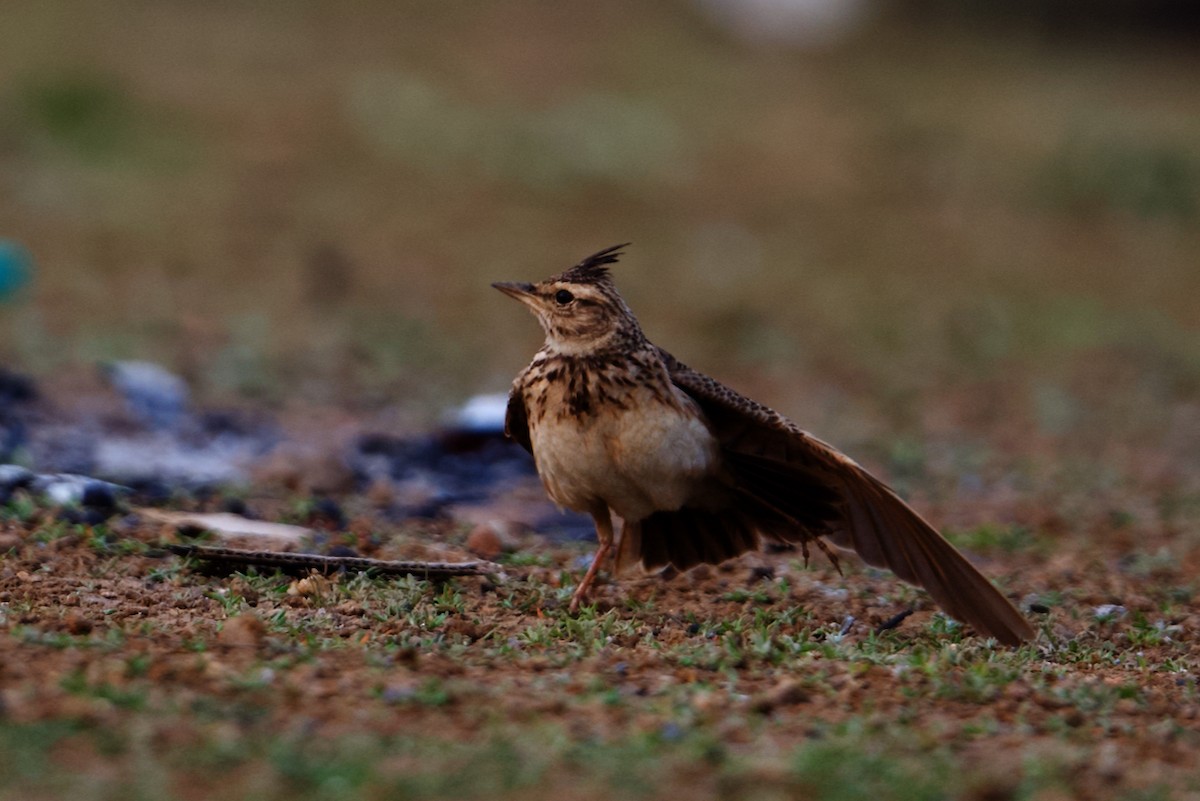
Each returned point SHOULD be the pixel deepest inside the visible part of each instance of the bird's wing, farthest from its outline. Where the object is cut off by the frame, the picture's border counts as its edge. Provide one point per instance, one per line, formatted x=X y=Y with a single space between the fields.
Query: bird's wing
x=786 y=471
x=516 y=422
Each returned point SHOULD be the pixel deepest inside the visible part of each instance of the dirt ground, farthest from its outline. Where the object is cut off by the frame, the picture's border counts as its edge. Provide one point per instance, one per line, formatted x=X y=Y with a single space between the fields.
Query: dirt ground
x=963 y=250
x=129 y=672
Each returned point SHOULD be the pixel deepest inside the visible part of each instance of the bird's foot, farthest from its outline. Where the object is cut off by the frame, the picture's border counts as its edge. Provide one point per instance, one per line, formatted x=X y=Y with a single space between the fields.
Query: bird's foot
x=581 y=591
x=577 y=599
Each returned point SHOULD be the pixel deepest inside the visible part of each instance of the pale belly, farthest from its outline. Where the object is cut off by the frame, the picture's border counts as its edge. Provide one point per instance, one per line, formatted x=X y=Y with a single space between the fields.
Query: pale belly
x=636 y=463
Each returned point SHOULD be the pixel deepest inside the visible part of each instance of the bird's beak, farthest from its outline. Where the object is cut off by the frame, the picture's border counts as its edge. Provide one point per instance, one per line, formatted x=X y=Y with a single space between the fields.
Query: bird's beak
x=521 y=292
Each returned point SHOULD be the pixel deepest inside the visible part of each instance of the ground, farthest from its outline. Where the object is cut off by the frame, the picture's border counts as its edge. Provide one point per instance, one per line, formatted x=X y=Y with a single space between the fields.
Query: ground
x=130 y=672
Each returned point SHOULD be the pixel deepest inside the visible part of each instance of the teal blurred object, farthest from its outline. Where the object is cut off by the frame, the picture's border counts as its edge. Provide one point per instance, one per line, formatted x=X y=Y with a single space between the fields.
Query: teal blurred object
x=16 y=268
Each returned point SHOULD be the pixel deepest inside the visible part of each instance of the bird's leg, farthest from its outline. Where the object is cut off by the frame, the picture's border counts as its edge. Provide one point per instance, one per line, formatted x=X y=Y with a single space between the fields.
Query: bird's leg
x=604 y=532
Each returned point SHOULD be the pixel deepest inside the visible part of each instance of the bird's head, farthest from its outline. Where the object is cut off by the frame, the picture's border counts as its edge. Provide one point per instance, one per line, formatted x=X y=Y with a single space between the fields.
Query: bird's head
x=580 y=309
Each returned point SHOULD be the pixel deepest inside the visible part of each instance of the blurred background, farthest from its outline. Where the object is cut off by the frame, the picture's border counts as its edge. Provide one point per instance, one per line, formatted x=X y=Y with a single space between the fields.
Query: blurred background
x=953 y=239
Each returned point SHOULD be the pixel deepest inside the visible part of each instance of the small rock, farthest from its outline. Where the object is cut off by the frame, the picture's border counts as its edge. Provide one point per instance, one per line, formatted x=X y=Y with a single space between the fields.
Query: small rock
x=1109 y=612
x=69 y=489
x=488 y=540
x=99 y=495
x=242 y=631
x=77 y=624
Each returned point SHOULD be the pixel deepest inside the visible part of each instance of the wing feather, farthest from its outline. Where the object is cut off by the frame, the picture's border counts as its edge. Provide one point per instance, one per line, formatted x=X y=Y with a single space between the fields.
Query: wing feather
x=790 y=474
x=516 y=420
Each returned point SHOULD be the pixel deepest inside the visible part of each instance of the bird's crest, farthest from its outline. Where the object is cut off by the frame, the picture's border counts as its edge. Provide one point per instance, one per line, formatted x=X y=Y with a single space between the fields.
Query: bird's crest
x=594 y=268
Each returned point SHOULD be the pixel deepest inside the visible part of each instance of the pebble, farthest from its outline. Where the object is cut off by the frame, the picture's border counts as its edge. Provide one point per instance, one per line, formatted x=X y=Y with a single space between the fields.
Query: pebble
x=77 y=624
x=68 y=489
x=98 y=495
x=489 y=540
x=242 y=631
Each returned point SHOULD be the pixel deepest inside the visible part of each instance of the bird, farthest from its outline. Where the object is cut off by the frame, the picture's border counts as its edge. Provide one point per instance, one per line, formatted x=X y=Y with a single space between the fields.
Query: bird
x=697 y=473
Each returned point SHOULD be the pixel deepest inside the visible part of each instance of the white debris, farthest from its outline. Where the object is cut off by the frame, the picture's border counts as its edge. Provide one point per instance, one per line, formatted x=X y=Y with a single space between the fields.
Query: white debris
x=163 y=457
x=68 y=489
x=228 y=526
x=1109 y=611
x=482 y=414
x=154 y=394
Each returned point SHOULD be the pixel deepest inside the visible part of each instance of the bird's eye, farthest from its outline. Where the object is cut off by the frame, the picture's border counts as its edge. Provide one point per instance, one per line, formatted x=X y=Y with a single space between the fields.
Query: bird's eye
x=562 y=297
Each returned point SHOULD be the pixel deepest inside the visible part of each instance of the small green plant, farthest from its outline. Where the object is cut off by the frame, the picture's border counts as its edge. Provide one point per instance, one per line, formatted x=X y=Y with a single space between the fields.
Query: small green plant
x=21 y=506
x=525 y=559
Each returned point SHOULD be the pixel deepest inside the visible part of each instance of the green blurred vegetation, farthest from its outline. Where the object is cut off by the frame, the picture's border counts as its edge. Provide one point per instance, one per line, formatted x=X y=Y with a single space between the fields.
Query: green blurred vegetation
x=282 y=199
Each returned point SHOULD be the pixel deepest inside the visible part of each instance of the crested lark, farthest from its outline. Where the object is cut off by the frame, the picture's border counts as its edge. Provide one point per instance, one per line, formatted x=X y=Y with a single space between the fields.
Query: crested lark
x=696 y=472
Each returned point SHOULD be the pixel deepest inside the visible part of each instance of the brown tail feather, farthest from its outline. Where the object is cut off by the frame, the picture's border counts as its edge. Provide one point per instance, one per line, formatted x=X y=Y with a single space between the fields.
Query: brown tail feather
x=687 y=537
x=781 y=473
x=885 y=532
x=873 y=521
